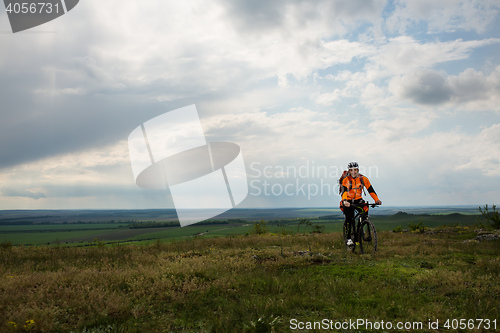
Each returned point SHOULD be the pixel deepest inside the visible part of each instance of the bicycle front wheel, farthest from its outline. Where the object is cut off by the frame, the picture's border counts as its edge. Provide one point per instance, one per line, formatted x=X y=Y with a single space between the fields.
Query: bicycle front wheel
x=368 y=238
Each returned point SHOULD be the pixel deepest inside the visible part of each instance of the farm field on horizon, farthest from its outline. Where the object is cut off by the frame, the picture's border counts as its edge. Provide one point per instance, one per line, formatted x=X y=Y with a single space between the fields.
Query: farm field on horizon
x=83 y=227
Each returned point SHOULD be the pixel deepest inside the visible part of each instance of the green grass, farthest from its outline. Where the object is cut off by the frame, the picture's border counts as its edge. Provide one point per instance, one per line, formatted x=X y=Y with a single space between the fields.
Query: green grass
x=40 y=238
x=435 y=220
x=179 y=233
x=37 y=234
x=74 y=235
x=248 y=283
x=59 y=227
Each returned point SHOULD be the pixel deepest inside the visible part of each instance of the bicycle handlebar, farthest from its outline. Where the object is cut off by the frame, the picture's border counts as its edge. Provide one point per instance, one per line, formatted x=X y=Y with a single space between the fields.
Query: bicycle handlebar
x=371 y=204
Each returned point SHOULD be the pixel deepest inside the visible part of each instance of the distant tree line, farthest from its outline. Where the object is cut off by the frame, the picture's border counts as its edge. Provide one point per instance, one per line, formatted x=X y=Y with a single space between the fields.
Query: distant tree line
x=228 y=221
x=28 y=222
x=157 y=224
x=152 y=224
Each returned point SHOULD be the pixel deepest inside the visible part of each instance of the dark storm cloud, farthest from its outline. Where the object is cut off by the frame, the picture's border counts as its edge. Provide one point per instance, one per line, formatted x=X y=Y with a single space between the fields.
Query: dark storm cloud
x=35 y=127
x=258 y=15
x=357 y=8
x=429 y=87
x=426 y=87
x=55 y=103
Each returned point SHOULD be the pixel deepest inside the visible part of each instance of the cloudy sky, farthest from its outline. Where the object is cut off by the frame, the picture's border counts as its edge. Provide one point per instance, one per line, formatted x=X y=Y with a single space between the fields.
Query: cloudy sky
x=410 y=89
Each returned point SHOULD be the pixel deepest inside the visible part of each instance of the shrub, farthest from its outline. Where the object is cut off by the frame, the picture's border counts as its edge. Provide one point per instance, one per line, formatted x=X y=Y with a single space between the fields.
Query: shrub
x=398 y=229
x=420 y=227
x=318 y=229
x=260 y=228
x=5 y=245
x=303 y=221
x=492 y=218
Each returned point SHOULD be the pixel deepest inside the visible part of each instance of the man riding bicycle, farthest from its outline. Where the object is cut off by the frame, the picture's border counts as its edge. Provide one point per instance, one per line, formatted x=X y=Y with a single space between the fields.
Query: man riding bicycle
x=351 y=189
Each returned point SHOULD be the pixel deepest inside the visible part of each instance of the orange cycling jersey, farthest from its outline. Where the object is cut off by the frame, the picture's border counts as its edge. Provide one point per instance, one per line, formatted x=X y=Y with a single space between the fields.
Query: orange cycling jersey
x=353 y=188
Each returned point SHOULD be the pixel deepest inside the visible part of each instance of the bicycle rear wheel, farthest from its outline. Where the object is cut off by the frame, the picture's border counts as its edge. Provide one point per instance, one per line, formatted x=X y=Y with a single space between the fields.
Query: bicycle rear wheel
x=368 y=237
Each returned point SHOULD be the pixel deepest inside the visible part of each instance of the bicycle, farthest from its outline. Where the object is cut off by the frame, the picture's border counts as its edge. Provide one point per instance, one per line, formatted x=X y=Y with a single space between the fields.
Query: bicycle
x=365 y=234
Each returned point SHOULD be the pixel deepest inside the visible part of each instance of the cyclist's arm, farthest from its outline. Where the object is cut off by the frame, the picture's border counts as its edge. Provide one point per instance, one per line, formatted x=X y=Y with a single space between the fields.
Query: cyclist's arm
x=345 y=189
x=373 y=194
x=371 y=190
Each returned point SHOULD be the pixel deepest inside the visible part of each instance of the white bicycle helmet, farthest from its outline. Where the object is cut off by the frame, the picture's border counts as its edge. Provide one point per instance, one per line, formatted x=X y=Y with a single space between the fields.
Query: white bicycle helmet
x=353 y=165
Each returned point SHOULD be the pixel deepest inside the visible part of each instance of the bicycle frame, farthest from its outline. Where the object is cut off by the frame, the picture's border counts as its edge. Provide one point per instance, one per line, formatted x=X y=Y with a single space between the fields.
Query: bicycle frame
x=364 y=230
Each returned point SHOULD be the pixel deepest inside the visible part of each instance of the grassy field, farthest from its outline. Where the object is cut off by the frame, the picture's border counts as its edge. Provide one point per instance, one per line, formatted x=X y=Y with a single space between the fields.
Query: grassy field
x=253 y=283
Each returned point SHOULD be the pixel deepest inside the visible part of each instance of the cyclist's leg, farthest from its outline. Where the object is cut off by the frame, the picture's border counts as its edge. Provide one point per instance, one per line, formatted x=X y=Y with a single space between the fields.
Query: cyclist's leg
x=348 y=222
x=353 y=223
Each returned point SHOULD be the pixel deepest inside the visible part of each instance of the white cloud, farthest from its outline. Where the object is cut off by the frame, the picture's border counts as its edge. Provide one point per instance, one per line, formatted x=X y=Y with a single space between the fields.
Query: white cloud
x=92 y=167
x=374 y=96
x=473 y=90
x=291 y=135
x=399 y=124
x=482 y=152
x=443 y=16
x=401 y=69
x=405 y=54
x=327 y=99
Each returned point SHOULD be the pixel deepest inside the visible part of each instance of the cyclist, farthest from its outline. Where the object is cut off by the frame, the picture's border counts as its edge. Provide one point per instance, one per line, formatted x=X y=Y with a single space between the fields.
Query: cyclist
x=351 y=189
